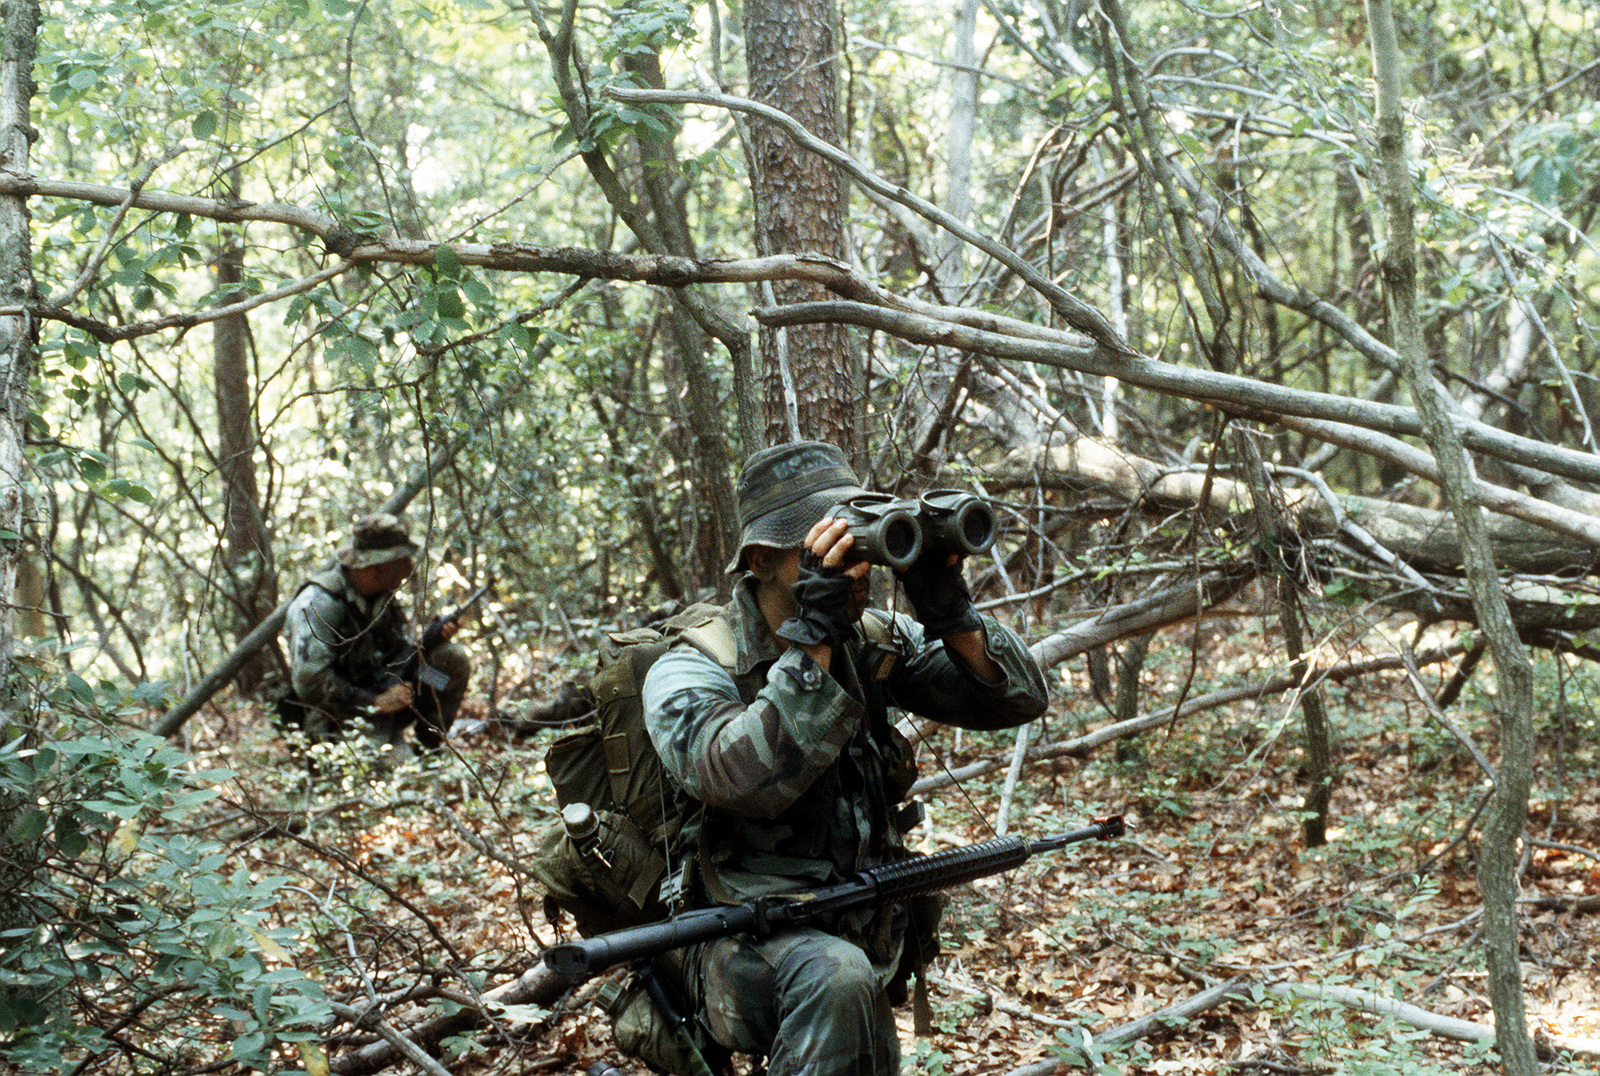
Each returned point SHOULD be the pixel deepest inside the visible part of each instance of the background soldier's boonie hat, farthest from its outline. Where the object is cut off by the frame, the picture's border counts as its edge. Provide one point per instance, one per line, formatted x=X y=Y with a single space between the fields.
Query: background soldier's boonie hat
x=785 y=489
x=377 y=539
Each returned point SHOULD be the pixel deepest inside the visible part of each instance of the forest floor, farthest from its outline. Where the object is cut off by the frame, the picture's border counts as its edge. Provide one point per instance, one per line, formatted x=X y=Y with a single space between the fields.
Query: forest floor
x=1212 y=883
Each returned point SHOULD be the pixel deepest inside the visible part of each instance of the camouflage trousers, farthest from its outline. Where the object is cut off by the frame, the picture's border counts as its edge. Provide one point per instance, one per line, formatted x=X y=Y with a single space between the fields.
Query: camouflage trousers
x=811 y=1002
x=431 y=711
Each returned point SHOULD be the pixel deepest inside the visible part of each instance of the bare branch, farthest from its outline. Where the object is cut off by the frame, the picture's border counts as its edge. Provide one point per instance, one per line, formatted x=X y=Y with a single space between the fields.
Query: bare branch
x=1077 y=313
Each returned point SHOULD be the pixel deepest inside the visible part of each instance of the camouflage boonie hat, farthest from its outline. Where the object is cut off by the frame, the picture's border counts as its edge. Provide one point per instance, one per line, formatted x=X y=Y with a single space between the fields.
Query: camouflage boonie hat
x=377 y=539
x=785 y=489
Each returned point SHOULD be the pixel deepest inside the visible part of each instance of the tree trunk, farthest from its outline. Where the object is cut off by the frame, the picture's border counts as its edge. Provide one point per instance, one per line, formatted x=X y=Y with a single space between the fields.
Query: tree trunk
x=1507 y=817
x=1288 y=574
x=958 y=144
x=246 y=551
x=17 y=328
x=19 y=24
x=813 y=375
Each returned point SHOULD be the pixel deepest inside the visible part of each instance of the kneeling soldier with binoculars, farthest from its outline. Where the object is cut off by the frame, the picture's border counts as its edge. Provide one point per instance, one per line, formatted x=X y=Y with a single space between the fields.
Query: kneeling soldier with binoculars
x=787 y=768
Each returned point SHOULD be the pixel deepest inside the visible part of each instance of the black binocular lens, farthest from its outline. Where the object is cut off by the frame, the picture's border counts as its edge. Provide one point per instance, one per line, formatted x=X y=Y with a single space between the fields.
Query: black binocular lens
x=902 y=540
x=885 y=530
x=894 y=532
x=957 y=521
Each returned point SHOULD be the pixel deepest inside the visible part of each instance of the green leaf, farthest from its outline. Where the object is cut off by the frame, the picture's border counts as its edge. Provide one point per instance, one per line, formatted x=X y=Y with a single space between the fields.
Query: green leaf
x=447 y=262
x=28 y=827
x=359 y=352
x=127 y=488
x=478 y=292
x=204 y=125
x=450 y=304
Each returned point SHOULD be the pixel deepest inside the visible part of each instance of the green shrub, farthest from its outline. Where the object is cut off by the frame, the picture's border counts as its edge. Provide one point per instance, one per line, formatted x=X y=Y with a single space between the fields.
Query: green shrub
x=130 y=936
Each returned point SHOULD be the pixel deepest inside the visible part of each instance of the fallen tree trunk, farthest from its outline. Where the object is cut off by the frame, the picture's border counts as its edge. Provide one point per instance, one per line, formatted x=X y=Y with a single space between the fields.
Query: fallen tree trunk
x=536 y=986
x=1424 y=537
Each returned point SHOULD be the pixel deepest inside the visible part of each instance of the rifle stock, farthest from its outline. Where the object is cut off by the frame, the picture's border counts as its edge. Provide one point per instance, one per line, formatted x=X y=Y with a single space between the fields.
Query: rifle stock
x=879 y=885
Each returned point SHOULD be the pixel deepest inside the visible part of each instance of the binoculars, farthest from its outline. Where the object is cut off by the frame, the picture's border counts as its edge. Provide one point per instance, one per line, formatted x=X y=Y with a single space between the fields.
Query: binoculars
x=895 y=531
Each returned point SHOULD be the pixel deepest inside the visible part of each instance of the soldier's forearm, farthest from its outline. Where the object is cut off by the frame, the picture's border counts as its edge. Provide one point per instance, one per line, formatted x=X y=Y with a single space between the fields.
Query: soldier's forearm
x=970 y=648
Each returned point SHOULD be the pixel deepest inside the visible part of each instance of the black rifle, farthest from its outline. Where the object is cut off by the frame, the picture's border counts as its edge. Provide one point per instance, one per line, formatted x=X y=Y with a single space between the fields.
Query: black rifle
x=408 y=665
x=870 y=888
x=433 y=634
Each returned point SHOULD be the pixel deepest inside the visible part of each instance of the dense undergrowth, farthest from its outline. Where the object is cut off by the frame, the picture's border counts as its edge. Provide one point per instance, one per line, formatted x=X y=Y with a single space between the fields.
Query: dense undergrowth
x=224 y=909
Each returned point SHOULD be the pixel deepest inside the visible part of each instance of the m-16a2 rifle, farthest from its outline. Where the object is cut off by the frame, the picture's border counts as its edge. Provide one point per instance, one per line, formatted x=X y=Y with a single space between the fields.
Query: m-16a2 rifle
x=870 y=888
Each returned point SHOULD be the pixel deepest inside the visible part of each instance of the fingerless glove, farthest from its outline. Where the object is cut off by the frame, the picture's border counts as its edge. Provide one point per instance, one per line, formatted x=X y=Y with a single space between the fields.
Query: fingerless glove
x=938 y=595
x=823 y=598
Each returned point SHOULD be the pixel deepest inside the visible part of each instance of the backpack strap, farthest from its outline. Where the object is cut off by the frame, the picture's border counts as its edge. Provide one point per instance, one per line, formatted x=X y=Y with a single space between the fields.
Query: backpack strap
x=713 y=637
x=329 y=580
x=882 y=651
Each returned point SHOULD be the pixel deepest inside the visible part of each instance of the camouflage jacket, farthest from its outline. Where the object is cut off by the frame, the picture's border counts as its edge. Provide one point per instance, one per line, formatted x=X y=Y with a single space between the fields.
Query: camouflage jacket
x=340 y=642
x=801 y=773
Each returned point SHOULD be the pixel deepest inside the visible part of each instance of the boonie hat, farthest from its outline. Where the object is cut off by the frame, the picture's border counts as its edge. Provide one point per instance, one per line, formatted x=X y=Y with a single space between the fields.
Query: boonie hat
x=377 y=539
x=785 y=489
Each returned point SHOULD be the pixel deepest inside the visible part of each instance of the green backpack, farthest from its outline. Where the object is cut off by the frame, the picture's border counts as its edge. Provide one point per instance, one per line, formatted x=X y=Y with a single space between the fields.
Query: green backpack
x=604 y=862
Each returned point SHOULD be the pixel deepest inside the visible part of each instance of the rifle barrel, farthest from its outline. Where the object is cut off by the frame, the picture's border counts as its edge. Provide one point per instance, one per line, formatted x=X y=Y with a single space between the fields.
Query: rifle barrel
x=1103 y=829
x=461 y=610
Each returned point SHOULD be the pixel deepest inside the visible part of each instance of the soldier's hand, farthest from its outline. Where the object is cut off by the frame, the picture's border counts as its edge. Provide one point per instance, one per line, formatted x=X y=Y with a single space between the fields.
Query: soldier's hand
x=391 y=699
x=832 y=542
x=824 y=591
x=938 y=594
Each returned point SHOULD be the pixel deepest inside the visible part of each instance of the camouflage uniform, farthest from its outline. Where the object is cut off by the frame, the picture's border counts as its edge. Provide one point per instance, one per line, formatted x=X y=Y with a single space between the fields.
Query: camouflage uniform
x=345 y=649
x=802 y=774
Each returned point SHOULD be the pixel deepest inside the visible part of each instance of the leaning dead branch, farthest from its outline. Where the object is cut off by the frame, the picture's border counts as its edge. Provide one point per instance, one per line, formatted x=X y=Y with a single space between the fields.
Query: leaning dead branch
x=1243 y=989
x=1141 y=1028
x=1081 y=746
x=1173 y=605
x=537 y=986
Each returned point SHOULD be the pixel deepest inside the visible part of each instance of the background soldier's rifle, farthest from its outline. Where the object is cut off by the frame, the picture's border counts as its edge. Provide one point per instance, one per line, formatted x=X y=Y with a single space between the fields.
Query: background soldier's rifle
x=870 y=888
x=413 y=667
x=433 y=634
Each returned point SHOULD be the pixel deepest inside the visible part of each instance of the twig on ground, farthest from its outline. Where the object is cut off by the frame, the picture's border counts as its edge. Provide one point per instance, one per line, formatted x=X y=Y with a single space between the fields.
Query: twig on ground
x=411 y=1050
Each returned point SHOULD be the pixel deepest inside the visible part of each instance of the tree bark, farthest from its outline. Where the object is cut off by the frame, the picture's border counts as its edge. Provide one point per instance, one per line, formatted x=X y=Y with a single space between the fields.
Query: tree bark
x=1507 y=816
x=18 y=329
x=958 y=144
x=813 y=375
